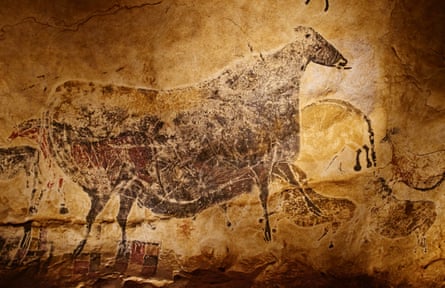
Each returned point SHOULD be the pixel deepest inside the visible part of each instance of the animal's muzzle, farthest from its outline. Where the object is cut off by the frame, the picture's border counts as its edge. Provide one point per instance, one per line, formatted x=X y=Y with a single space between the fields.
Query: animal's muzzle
x=341 y=63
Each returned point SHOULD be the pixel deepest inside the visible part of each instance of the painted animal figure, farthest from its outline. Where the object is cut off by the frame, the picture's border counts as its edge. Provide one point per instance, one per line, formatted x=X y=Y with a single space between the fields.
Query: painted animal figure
x=14 y=160
x=33 y=130
x=192 y=147
x=422 y=172
x=359 y=138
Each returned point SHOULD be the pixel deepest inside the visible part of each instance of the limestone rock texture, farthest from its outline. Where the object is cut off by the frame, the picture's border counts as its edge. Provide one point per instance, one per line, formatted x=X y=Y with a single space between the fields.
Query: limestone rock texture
x=178 y=143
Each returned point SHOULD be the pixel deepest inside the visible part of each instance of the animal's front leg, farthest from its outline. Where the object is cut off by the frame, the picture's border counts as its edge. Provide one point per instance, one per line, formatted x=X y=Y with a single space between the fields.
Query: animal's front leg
x=36 y=182
x=97 y=205
x=63 y=209
x=35 y=200
x=262 y=176
x=128 y=194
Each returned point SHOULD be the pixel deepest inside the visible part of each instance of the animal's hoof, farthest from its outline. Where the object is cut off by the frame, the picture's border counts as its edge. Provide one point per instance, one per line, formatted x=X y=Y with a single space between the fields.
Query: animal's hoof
x=122 y=249
x=32 y=210
x=79 y=248
x=267 y=235
x=63 y=210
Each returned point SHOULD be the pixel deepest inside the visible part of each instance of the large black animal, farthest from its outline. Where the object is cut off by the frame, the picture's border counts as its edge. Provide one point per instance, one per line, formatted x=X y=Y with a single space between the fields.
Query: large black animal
x=239 y=130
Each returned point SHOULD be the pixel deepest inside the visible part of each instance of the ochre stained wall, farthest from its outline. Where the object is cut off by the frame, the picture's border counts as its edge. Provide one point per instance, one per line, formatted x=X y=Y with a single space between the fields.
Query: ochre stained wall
x=229 y=143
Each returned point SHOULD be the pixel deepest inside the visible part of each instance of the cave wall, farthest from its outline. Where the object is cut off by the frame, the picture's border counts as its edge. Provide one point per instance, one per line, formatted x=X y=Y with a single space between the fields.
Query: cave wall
x=242 y=144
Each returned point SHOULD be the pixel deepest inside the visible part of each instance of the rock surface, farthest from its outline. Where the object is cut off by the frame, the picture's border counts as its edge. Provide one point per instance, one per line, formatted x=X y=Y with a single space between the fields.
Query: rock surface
x=200 y=144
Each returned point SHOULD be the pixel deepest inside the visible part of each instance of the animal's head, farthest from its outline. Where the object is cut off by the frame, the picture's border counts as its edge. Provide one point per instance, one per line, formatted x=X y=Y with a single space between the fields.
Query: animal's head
x=28 y=129
x=318 y=50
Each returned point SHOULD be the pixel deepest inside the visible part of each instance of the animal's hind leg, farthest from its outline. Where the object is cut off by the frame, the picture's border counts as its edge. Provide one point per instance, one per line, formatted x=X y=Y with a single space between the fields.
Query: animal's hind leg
x=289 y=173
x=35 y=200
x=63 y=209
x=264 y=194
x=124 y=209
x=127 y=197
x=97 y=205
x=263 y=182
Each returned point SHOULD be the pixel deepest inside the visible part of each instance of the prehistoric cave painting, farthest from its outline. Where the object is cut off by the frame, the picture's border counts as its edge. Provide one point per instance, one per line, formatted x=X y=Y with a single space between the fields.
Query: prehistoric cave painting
x=36 y=247
x=393 y=218
x=370 y=155
x=191 y=147
x=38 y=134
x=330 y=210
x=138 y=259
x=14 y=160
x=422 y=172
x=25 y=159
x=322 y=115
x=31 y=248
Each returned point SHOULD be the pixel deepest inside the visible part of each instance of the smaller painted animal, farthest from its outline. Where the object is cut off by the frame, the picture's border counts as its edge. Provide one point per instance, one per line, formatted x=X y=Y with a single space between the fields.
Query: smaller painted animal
x=14 y=160
x=37 y=133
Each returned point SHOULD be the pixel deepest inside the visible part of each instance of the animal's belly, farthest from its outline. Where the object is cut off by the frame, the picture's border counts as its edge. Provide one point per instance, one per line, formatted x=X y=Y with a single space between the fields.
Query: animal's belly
x=243 y=133
x=184 y=173
x=218 y=151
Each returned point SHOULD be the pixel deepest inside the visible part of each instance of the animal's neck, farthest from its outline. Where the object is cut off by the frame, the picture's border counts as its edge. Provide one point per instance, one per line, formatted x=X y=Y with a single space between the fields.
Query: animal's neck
x=284 y=68
x=264 y=77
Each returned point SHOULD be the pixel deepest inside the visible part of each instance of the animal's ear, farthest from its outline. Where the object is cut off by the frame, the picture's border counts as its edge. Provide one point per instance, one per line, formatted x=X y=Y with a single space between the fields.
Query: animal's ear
x=298 y=29
x=305 y=32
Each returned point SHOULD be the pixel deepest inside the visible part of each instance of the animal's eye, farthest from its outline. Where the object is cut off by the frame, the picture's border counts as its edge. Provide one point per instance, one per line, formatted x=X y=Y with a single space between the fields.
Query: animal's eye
x=307 y=35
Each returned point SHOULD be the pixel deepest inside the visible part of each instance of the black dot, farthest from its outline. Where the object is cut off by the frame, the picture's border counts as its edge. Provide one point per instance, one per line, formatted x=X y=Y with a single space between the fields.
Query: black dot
x=307 y=35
